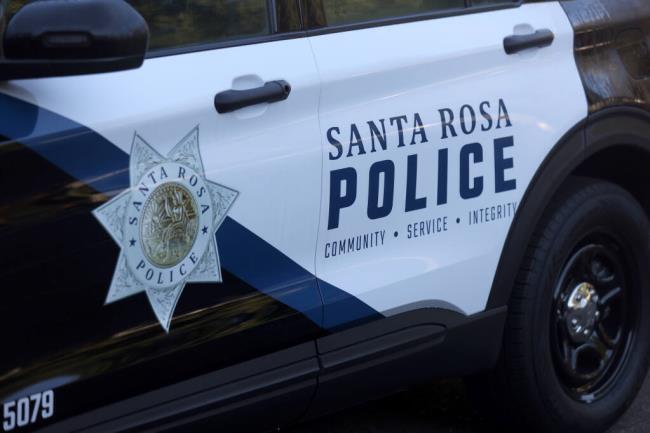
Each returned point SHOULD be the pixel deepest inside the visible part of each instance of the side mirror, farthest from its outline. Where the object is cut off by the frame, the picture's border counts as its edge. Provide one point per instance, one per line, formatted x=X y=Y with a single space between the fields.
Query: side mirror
x=54 y=38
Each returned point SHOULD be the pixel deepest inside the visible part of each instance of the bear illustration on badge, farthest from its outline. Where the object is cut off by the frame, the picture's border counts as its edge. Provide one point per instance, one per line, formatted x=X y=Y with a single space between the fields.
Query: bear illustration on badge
x=165 y=225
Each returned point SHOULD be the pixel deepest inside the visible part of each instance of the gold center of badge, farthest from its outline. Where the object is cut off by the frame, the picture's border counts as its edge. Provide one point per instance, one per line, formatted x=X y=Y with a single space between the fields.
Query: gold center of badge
x=169 y=225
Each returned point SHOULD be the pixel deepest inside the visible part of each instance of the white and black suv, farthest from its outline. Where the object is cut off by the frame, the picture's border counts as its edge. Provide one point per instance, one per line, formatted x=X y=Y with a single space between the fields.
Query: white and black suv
x=237 y=214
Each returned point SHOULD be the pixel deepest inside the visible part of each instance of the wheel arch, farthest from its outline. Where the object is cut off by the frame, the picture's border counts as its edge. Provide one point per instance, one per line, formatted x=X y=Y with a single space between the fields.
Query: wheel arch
x=619 y=136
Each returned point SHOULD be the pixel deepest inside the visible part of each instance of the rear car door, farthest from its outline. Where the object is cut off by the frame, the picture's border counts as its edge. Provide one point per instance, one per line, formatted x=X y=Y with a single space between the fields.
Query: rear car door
x=435 y=116
x=155 y=253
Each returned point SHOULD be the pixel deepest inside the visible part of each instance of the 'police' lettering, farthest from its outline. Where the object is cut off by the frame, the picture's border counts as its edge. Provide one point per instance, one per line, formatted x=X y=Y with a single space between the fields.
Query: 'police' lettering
x=382 y=177
x=340 y=199
x=412 y=131
x=466 y=189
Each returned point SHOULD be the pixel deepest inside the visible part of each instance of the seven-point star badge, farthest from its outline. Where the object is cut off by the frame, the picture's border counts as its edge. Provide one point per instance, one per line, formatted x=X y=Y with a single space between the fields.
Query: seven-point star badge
x=165 y=225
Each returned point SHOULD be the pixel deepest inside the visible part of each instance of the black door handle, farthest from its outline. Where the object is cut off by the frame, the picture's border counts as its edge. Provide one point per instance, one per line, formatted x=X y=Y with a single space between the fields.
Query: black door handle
x=231 y=100
x=540 y=39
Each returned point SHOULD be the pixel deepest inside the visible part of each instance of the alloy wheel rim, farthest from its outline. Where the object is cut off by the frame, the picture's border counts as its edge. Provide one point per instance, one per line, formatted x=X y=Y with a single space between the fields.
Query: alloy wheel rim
x=592 y=327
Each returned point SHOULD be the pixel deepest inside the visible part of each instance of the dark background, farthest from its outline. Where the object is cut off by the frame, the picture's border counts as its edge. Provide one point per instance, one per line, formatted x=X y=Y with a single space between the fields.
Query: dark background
x=441 y=407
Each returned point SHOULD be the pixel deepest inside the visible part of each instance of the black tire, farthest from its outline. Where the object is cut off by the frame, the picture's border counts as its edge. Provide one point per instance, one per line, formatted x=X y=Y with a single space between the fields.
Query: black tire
x=597 y=232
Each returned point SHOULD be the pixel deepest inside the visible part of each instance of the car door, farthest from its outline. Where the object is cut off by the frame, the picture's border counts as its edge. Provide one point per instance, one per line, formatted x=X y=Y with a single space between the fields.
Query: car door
x=434 y=118
x=158 y=227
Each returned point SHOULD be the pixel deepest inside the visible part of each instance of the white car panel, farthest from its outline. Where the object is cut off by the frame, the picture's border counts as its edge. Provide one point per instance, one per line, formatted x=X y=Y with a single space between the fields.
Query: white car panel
x=168 y=96
x=423 y=67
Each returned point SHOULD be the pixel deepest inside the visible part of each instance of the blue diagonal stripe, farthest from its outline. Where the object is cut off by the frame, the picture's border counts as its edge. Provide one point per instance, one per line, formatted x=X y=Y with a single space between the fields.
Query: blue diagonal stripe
x=89 y=157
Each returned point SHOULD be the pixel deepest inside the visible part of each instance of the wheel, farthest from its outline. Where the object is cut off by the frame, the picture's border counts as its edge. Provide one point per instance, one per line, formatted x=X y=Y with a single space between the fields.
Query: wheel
x=576 y=343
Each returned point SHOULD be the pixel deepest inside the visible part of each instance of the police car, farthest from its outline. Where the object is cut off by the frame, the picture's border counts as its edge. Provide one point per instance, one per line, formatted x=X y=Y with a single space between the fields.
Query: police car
x=228 y=215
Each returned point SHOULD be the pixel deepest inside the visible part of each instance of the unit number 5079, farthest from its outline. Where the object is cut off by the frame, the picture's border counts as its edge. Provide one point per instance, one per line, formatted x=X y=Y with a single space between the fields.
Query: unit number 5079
x=27 y=410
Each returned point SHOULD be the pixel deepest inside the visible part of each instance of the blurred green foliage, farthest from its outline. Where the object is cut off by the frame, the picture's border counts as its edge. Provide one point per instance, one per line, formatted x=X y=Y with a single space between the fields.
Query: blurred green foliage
x=14 y=5
x=350 y=11
x=174 y=23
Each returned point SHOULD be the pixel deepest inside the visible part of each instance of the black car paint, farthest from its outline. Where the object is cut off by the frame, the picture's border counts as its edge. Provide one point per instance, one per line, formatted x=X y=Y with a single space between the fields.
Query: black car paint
x=106 y=361
x=56 y=264
x=611 y=49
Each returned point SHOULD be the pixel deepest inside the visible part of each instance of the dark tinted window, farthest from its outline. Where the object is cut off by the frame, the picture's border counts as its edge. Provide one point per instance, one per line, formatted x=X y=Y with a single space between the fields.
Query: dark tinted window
x=351 y=11
x=178 y=23
x=492 y=2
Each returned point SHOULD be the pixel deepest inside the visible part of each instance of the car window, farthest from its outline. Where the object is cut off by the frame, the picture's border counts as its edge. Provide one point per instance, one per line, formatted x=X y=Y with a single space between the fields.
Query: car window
x=491 y=2
x=179 y=23
x=339 y=12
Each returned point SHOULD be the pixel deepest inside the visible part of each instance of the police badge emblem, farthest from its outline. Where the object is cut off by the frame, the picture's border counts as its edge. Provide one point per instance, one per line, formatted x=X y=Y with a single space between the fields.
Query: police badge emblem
x=165 y=225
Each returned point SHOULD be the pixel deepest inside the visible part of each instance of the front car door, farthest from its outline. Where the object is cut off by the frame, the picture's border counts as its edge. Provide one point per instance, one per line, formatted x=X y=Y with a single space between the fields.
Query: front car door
x=148 y=240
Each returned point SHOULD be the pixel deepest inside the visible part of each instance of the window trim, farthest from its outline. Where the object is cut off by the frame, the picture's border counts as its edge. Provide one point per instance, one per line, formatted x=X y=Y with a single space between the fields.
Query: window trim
x=209 y=46
x=272 y=18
